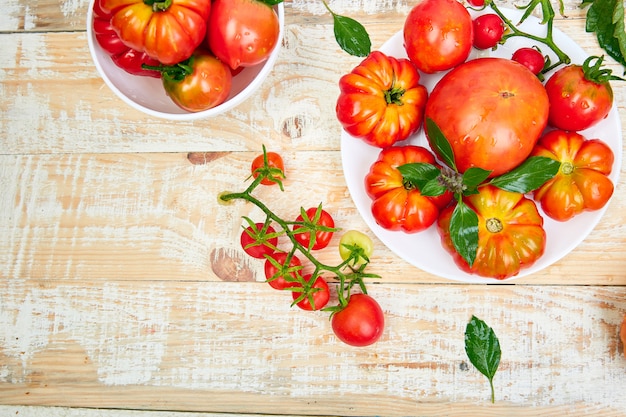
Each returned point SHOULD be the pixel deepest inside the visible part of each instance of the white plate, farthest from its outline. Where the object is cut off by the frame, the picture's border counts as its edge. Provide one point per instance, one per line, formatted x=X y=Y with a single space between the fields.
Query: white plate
x=424 y=249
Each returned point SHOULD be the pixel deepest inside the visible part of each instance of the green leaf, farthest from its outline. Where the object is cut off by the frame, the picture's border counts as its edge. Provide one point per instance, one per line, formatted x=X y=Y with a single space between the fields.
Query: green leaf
x=606 y=19
x=271 y=2
x=464 y=231
x=419 y=173
x=474 y=176
x=440 y=144
x=528 y=176
x=483 y=349
x=433 y=188
x=351 y=36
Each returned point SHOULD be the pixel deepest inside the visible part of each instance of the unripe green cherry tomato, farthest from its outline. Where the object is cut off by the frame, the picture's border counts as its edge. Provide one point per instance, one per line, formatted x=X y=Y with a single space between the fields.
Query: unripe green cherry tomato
x=354 y=241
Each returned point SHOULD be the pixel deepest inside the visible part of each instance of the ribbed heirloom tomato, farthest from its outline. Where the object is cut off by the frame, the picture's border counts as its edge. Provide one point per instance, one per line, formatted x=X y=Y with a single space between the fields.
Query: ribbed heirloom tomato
x=581 y=183
x=397 y=204
x=510 y=233
x=167 y=30
x=492 y=111
x=381 y=100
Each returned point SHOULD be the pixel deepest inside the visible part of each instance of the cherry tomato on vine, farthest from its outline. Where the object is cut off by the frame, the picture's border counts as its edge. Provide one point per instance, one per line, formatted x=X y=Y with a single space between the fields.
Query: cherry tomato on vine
x=531 y=58
x=360 y=323
x=314 y=217
x=167 y=30
x=488 y=30
x=313 y=297
x=582 y=183
x=242 y=32
x=356 y=244
x=580 y=95
x=258 y=240
x=438 y=35
x=275 y=168
x=476 y=3
x=279 y=275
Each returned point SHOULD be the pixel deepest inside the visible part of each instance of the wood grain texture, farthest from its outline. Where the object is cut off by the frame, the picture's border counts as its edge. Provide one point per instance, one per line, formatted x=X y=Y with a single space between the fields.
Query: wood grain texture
x=124 y=291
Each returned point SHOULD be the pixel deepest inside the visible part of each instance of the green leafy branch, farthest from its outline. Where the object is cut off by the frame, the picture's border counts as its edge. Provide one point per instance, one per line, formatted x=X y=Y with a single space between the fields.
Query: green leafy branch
x=433 y=181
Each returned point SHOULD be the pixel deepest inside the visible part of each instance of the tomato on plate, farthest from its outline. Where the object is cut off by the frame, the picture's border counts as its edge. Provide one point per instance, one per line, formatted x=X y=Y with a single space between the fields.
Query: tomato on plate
x=492 y=111
x=531 y=58
x=311 y=297
x=242 y=32
x=488 y=30
x=314 y=219
x=397 y=204
x=360 y=323
x=582 y=183
x=128 y=59
x=198 y=83
x=510 y=233
x=381 y=101
x=167 y=30
x=580 y=95
x=269 y=164
x=438 y=35
x=280 y=274
x=258 y=240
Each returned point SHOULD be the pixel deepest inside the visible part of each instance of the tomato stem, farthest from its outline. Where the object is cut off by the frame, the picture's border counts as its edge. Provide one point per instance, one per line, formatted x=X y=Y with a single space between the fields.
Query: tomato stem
x=158 y=6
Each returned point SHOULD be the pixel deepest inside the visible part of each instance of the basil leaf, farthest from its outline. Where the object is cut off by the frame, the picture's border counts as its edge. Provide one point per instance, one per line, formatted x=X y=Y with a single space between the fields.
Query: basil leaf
x=464 y=231
x=440 y=144
x=528 y=176
x=351 y=36
x=433 y=188
x=483 y=349
x=271 y=2
x=419 y=173
x=606 y=19
x=474 y=176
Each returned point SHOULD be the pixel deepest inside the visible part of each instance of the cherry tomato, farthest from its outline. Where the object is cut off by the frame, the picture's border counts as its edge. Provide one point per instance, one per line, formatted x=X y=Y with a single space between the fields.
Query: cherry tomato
x=581 y=183
x=314 y=217
x=360 y=323
x=167 y=30
x=398 y=204
x=494 y=120
x=313 y=297
x=381 y=100
x=242 y=32
x=205 y=84
x=275 y=168
x=438 y=35
x=279 y=275
x=531 y=58
x=356 y=246
x=258 y=240
x=476 y=3
x=488 y=30
x=580 y=95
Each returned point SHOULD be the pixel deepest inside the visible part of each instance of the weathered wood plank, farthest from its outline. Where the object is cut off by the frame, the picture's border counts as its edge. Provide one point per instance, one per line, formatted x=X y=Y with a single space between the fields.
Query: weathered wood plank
x=203 y=346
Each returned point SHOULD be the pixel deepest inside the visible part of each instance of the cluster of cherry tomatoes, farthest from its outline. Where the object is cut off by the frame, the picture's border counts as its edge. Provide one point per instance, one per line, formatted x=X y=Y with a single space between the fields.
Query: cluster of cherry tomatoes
x=288 y=249
x=494 y=114
x=195 y=47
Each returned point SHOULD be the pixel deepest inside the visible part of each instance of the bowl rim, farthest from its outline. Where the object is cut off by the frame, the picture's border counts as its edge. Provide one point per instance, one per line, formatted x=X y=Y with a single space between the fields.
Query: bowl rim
x=227 y=105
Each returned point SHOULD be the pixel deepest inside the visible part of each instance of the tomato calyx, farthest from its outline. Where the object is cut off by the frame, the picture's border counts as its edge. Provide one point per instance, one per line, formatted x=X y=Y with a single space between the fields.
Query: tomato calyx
x=158 y=5
x=394 y=96
x=593 y=71
x=173 y=73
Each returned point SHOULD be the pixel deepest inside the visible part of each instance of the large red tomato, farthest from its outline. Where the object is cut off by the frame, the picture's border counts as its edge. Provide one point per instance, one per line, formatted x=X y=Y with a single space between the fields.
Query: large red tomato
x=438 y=35
x=242 y=32
x=492 y=111
x=167 y=30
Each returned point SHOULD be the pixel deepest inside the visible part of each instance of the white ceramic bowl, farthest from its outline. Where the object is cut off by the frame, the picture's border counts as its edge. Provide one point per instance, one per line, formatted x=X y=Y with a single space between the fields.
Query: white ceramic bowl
x=146 y=94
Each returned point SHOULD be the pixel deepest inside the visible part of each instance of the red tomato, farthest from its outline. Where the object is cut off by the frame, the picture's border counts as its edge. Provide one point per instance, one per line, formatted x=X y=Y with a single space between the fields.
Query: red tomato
x=242 y=32
x=476 y=3
x=581 y=183
x=381 y=100
x=259 y=240
x=360 y=323
x=279 y=275
x=315 y=218
x=492 y=111
x=124 y=57
x=488 y=30
x=531 y=58
x=275 y=168
x=579 y=96
x=396 y=203
x=438 y=35
x=206 y=85
x=510 y=233
x=168 y=30
x=313 y=297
